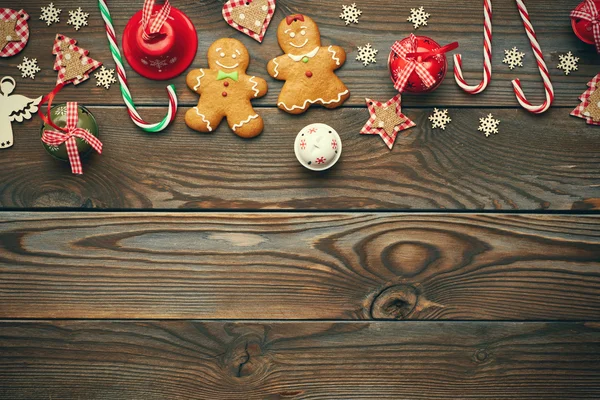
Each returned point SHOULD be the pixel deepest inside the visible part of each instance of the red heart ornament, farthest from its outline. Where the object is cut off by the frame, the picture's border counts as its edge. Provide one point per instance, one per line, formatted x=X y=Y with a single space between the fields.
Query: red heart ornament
x=251 y=17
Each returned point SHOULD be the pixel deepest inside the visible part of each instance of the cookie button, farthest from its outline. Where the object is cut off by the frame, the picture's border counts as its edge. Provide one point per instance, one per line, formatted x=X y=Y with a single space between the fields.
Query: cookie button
x=305 y=60
x=225 y=83
x=224 y=94
x=308 y=74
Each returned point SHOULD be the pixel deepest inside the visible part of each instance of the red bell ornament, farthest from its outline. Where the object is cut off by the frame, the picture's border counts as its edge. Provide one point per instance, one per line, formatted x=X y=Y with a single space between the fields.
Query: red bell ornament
x=160 y=41
x=585 y=20
x=418 y=64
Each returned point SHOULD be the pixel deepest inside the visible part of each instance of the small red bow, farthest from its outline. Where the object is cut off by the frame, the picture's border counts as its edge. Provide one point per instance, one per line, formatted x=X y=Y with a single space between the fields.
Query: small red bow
x=69 y=135
x=291 y=18
x=589 y=12
x=408 y=52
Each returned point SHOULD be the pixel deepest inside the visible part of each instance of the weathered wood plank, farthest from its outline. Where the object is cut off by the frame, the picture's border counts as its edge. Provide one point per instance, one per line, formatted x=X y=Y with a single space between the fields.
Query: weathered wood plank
x=299 y=266
x=382 y=23
x=227 y=360
x=548 y=162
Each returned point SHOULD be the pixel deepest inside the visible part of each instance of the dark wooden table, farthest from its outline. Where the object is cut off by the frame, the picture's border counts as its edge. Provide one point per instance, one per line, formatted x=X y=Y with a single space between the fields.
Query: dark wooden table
x=193 y=266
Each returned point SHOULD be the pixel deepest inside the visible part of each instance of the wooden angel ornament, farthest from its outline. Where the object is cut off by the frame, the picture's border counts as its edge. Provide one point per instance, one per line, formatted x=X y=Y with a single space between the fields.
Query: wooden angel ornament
x=13 y=107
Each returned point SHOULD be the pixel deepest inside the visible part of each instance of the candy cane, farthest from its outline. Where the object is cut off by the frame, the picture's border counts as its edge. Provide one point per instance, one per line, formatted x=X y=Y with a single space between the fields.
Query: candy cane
x=537 y=51
x=487 y=56
x=131 y=108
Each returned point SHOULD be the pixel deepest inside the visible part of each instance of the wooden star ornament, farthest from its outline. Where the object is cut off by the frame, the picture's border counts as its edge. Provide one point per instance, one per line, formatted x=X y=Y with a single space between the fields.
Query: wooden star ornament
x=386 y=120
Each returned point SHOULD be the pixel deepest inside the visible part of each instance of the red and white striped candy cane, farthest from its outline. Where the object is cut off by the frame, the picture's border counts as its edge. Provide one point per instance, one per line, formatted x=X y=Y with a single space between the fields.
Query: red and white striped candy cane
x=537 y=51
x=487 y=56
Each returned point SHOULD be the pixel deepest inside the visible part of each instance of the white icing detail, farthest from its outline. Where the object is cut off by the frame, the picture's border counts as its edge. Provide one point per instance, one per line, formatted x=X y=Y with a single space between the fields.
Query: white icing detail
x=276 y=66
x=308 y=101
x=298 y=47
x=223 y=66
x=309 y=55
x=254 y=87
x=292 y=35
x=198 y=79
x=244 y=122
x=333 y=53
x=203 y=119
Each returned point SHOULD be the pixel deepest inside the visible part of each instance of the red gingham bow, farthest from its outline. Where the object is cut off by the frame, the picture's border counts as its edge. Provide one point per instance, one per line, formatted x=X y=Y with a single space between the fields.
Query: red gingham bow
x=412 y=64
x=158 y=22
x=69 y=135
x=589 y=12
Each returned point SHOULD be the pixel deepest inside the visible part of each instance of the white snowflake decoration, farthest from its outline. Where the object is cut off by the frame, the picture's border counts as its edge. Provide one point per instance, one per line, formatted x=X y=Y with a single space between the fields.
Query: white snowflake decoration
x=514 y=58
x=78 y=18
x=62 y=110
x=568 y=63
x=50 y=14
x=489 y=125
x=105 y=77
x=439 y=119
x=367 y=54
x=350 y=14
x=28 y=68
x=418 y=17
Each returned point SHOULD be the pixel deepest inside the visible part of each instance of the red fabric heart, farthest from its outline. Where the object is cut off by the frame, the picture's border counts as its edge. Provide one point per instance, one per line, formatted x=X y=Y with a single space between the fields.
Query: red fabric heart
x=251 y=17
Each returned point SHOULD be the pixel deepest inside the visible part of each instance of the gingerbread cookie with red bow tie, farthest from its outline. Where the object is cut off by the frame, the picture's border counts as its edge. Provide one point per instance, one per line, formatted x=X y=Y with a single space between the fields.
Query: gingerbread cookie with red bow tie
x=307 y=67
x=225 y=91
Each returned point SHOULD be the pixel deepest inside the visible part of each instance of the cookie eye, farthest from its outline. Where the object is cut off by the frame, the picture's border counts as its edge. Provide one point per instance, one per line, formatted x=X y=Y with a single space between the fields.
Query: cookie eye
x=292 y=35
x=234 y=56
x=303 y=33
x=222 y=54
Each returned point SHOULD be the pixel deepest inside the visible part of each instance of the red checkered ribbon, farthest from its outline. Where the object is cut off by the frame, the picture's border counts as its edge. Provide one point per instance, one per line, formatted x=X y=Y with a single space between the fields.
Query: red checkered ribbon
x=589 y=12
x=407 y=52
x=69 y=133
x=151 y=29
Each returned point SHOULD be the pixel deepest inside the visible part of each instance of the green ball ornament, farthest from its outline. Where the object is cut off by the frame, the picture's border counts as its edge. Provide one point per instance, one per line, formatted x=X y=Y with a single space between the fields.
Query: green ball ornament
x=58 y=115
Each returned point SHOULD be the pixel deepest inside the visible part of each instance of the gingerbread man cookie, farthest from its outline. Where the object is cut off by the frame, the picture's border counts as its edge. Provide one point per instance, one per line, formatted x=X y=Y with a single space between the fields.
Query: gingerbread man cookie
x=307 y=67
x=225 y=91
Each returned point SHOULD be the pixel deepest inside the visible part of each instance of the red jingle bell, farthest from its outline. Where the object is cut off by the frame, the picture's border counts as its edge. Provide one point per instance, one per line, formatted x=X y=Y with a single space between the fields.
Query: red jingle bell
x=583 y=19
x=418 y=64
x=163 y=54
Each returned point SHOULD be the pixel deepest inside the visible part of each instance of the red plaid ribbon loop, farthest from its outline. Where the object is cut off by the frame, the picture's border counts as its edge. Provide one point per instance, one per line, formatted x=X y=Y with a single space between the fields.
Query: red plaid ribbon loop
x=589 y=12
x=68 y=135
x=412 y=64
x=160 y=18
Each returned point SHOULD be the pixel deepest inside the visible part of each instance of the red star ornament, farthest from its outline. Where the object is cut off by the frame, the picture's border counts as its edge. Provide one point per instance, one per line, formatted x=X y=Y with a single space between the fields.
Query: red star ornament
x=386 y=120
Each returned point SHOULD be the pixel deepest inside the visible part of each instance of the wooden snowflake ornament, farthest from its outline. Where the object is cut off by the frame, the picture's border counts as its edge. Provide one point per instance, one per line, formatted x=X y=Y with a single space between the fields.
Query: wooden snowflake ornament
x=386 y=120
x=489 y=125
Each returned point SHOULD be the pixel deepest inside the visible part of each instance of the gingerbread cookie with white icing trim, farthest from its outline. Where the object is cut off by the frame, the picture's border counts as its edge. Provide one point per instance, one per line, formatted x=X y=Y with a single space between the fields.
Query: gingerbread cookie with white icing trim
x=225 y=91
x=307 y=67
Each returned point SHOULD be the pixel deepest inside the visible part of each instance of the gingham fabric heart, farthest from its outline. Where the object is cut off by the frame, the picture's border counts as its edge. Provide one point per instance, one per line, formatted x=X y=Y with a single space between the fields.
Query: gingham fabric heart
x=251 y=17
x=21 y=28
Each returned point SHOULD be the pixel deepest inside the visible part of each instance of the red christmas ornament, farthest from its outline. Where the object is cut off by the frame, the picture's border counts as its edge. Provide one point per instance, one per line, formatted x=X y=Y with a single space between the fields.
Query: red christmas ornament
x=418 y=64
x=160 y=41
x=585 y=20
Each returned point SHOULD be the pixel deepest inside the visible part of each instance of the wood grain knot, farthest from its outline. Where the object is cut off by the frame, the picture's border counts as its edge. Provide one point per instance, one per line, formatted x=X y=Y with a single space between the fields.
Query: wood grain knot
x=395 y=302
x=481 y=356
x=246 y=357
